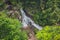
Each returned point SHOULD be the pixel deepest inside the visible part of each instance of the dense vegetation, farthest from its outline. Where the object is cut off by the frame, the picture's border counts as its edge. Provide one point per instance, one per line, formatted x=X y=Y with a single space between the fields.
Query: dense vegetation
x=43 y=12
x=49 y=33
x=10 y=29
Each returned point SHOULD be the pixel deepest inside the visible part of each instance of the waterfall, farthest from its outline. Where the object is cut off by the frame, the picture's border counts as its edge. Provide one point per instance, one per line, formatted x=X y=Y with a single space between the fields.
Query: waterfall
x=26 y=20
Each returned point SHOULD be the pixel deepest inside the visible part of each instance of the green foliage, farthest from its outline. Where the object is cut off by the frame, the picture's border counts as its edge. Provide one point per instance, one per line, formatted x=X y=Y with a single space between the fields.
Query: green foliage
x=44 y=12
x=46 y=17
x=49 y=33
x=49 y=14
x=10 y=29
x=3 y=14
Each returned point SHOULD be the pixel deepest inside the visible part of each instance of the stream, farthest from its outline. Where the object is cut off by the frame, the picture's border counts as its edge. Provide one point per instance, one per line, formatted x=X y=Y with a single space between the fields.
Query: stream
x=28 y=21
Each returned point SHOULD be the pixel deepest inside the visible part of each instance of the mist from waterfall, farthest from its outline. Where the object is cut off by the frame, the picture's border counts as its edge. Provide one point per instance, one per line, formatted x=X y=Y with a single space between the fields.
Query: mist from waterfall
x=26 y=20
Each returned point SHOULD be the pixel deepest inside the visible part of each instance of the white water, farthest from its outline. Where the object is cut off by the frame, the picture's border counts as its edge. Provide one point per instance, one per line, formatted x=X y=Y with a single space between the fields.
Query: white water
x=26 y=20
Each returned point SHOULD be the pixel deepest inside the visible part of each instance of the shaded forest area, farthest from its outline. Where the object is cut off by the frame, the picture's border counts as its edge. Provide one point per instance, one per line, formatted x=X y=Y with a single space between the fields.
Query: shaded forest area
x=45 y=13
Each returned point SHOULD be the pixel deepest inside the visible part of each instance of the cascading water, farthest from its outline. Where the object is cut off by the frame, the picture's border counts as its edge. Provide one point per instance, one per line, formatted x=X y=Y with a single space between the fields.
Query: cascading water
x=26 y=20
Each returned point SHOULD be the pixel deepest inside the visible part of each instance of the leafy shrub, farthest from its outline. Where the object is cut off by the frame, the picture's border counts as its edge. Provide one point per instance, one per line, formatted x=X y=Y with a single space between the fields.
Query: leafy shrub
x=49 y=33
x=10 y=29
